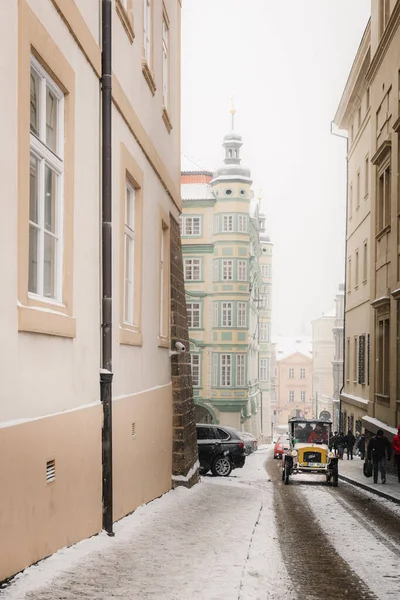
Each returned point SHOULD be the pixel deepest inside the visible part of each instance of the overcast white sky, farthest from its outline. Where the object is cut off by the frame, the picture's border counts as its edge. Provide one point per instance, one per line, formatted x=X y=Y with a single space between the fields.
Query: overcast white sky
x=286 y=63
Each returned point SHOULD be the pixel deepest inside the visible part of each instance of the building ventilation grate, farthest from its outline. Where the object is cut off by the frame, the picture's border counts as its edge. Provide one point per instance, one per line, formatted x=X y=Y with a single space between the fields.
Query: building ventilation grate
x=50 y=471
x=133 y=430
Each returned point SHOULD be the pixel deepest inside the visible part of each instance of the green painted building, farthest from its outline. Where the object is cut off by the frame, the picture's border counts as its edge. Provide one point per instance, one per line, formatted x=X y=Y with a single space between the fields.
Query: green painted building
x=227 y=261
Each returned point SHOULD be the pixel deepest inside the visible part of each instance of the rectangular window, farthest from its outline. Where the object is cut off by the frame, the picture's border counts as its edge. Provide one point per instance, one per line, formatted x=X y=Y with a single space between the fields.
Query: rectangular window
x=226 y=314
x=356 y=270
x=365 y=263
x=147 y=27
x=368 y=356
x=291 y=396
x=303 y=396
x=192 y=269
x=266 y=271
x=215 y=314
x=216 y=270
x=193 y=314
x=226 y=370
x=227 y=270
x=349 y=282
x=263 y=369
x=359 y=117
x=366 y=177
x=348 y=360
x=165 y=56
x=240 y=370
x=361 y=359
x=242 y=223
x=358 y=191
x=351 y=201
x=302 y=373
x=291 y=373
x=46 y=185
x=384 y=14
x=355 y=358
x=383 y=198
x=383 y=358
x=263 y=332
x=195 y=364
x=214 y=369
x=227 y=223
x=241 y=314
x=129 y=253
x=192 y=226
x=242 y=270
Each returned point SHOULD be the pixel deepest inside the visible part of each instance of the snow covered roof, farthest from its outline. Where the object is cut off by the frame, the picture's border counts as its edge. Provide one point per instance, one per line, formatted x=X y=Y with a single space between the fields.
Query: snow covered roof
x=196 y=191
x=285 y=346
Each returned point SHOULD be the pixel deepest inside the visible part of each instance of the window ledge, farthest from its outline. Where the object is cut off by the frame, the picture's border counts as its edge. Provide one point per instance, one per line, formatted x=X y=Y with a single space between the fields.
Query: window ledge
x=45 y=321
x=166 y=119
x=130 y=337
x=126 y=19
x=163 y=343
x=382 y=232
x=149 y=77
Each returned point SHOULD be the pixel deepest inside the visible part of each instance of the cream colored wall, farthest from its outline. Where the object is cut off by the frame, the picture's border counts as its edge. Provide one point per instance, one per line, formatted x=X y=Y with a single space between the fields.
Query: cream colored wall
x=230 y=420
x=127 y=59
x=37 y=518
x=284 y=385
x=25 y=356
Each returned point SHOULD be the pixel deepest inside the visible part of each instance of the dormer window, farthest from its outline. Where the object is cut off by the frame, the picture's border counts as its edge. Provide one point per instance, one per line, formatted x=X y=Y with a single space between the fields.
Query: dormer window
x=230 y=153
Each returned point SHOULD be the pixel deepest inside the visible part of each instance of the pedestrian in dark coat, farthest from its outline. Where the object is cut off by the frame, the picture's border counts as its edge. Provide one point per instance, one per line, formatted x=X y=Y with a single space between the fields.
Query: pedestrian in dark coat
x=378 y=449
x=396 y=450
x=341 y=444
x=361 y=446
x=350 y=441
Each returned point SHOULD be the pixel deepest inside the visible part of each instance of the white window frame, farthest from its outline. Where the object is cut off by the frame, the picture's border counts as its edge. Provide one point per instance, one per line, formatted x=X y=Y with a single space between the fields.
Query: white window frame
x=147 y=25
x=227 y=314
x=191 y=226
x=241 y=314
x=263 y=331
x=166 y=67
x=263 y=369
x=291 y=373
x=227 y=223
x=55 y=162
x=226 y=370
x=242 y=223
x=302 y=396
x=195 y=369
x=265 y=271
x=240 y=370
x=227 y=270
x=242 y=270
x=214 y=378
x=291 y=395
x=215 y=314
x=193 y=310
x=190 y=264
x=129 y=258
x=302 y=373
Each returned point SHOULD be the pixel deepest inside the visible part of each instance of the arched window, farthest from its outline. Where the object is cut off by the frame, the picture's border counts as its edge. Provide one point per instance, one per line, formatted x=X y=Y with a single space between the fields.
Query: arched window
x=230 y=153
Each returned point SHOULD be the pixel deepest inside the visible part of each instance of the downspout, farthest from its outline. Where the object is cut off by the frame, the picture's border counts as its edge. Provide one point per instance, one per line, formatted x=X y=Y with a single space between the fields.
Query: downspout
x=345 y=275
x=106 y=375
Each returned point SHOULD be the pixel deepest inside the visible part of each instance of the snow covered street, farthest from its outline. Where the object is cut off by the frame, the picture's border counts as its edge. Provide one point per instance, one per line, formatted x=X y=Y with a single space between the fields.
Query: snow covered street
x=235 y=538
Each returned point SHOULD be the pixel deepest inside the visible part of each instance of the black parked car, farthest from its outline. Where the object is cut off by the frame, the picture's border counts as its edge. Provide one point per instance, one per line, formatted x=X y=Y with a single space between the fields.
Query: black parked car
x=220 y=449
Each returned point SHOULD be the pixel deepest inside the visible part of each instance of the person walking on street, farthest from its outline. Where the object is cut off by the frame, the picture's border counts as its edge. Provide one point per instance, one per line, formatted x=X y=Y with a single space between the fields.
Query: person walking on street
x=378 y=449
x=396 y=450
x=333 y=443
x=361 y=446
x=350 y=441
x=341 y=444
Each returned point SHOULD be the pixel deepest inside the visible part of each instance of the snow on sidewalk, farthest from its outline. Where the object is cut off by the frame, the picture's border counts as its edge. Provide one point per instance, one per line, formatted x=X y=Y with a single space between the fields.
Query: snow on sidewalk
x=216 y=541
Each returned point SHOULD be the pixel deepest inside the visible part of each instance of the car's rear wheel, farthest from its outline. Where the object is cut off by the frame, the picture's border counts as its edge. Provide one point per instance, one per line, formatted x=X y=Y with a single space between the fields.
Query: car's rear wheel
x=221 y=467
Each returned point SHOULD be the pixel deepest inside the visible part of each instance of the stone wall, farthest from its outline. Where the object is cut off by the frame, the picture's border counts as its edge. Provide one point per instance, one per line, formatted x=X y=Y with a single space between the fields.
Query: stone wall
x=184 y=439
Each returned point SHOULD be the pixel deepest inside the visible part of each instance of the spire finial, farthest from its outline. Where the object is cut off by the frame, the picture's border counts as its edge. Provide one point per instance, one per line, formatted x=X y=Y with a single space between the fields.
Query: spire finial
x=233 y=112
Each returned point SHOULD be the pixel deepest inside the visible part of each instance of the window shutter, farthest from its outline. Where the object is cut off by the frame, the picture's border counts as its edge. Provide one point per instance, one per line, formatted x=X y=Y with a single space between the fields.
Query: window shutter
x=368 y=350
x=361 y=359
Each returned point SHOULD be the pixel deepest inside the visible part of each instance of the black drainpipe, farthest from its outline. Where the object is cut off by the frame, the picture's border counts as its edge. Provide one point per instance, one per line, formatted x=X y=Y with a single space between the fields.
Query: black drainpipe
x=106 y=375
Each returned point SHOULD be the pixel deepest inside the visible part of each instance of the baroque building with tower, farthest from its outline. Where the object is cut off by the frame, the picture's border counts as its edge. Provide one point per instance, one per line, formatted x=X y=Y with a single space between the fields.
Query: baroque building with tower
x=227 y=258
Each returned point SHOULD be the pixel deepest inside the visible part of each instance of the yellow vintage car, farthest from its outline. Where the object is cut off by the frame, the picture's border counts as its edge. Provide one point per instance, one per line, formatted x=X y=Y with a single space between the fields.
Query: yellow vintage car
x=309 y=450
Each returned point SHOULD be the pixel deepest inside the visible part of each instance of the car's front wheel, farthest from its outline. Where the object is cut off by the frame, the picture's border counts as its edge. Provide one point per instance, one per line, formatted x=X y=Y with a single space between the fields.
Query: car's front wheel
x=221 y=467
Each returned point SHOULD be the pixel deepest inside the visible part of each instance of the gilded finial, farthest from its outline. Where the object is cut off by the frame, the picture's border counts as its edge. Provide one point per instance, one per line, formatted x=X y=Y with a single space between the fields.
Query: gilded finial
x=233 y=112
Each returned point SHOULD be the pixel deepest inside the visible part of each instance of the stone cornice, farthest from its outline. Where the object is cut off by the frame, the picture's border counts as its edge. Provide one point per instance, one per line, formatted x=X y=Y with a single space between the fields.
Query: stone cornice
x=356 y=82
x=382 y=152
x=396 y=126
x=385 y=42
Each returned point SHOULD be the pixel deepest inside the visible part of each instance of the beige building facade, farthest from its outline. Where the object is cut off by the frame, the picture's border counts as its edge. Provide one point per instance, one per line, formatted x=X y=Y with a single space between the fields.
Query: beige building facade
x=323 y=354
x=50 y=318
x=376 y=73
x=294 y=387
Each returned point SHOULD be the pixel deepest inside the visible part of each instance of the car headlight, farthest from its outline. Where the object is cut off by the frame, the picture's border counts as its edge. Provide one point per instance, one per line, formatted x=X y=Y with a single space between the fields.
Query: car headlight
x=330 y=455
x=294 y=452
